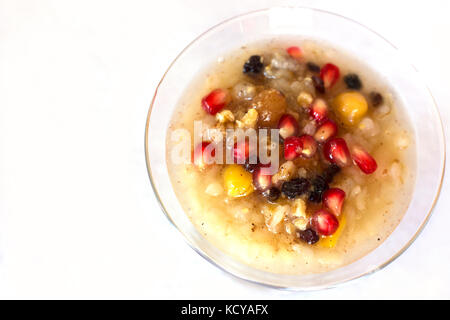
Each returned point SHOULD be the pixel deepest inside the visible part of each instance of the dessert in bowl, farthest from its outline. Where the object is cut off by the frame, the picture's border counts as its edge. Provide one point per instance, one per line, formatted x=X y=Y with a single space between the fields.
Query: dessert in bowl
x=293 y=158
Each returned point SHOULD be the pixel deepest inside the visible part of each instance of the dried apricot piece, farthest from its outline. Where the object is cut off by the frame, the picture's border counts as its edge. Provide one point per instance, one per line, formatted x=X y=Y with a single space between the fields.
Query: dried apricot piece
x=271 y=105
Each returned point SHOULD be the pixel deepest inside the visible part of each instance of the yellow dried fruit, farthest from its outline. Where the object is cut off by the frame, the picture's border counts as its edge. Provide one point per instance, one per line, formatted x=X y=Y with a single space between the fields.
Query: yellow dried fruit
x=271 y=105
x=351 y=107
x=238 y=182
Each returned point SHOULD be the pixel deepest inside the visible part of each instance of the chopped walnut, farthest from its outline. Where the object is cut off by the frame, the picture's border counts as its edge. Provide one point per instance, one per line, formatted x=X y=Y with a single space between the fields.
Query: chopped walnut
x=301 y=223
x=278 y=215
x=249 y=119
x=299 y=213
x=225 y=116
x=299 y=208
x=285 y=172
x=304 y=99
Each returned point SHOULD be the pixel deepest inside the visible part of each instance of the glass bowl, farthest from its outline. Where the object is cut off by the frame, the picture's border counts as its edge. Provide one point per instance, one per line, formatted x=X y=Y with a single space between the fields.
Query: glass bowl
x=338 y=31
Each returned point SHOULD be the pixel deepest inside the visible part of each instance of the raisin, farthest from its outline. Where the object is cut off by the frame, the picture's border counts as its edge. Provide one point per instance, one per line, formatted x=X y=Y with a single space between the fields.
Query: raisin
x=308 y=235
x=272 y=194
x=315 y=197
x=313 y=67
x=253 y=65
x=250 y=167
x=318 y=84
x=352 y=81
x=295 y=187
x=376 y=99
x=319 y=186
x=331 y=172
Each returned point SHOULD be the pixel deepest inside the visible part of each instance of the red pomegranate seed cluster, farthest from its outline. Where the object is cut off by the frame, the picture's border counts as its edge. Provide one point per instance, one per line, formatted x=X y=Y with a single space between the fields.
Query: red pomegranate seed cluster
x=295 y=52
x=329 y=74
x=261 y=179
x=215 y=101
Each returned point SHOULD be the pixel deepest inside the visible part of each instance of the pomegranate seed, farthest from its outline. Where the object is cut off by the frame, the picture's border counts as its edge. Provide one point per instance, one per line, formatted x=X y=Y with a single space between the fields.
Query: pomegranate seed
x=292 y=148
x=319 y=110
x=241 y=152
x=215 y=101
x=288 y=126
x=364 y=160
x=261 y=181
x=336 y=151
x=324 y=222
x=333 y=199
x=329 y=74
x=309 y=146
x=295 y=52
x=327 y=130
x=200 y=157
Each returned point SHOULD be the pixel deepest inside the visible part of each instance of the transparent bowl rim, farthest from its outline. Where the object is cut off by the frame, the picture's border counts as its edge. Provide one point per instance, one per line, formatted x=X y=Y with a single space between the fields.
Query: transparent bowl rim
x=319 y=287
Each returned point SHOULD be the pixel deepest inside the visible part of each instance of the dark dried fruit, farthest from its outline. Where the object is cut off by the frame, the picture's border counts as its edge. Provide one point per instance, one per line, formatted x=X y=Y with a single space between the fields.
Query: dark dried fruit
x=352 y=81
x=318 y=84
x=250 y=167
x=313 y=67
x=308 y=235
x=295 y=187
x=315 y=197
x=253 y=65
x=376 y=99
x=272 y=194
x=319 y=186
x=330 y=172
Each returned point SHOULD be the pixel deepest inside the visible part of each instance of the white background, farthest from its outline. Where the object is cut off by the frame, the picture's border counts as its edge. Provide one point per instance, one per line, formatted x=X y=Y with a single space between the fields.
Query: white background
x=77 y=215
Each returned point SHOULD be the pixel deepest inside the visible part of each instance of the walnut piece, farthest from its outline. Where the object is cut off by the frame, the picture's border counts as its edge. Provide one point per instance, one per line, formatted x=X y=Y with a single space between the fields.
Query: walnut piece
x=225 y=116
x=249 y=119
x=285 y=172
x=304 y=99
x=278 y=215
